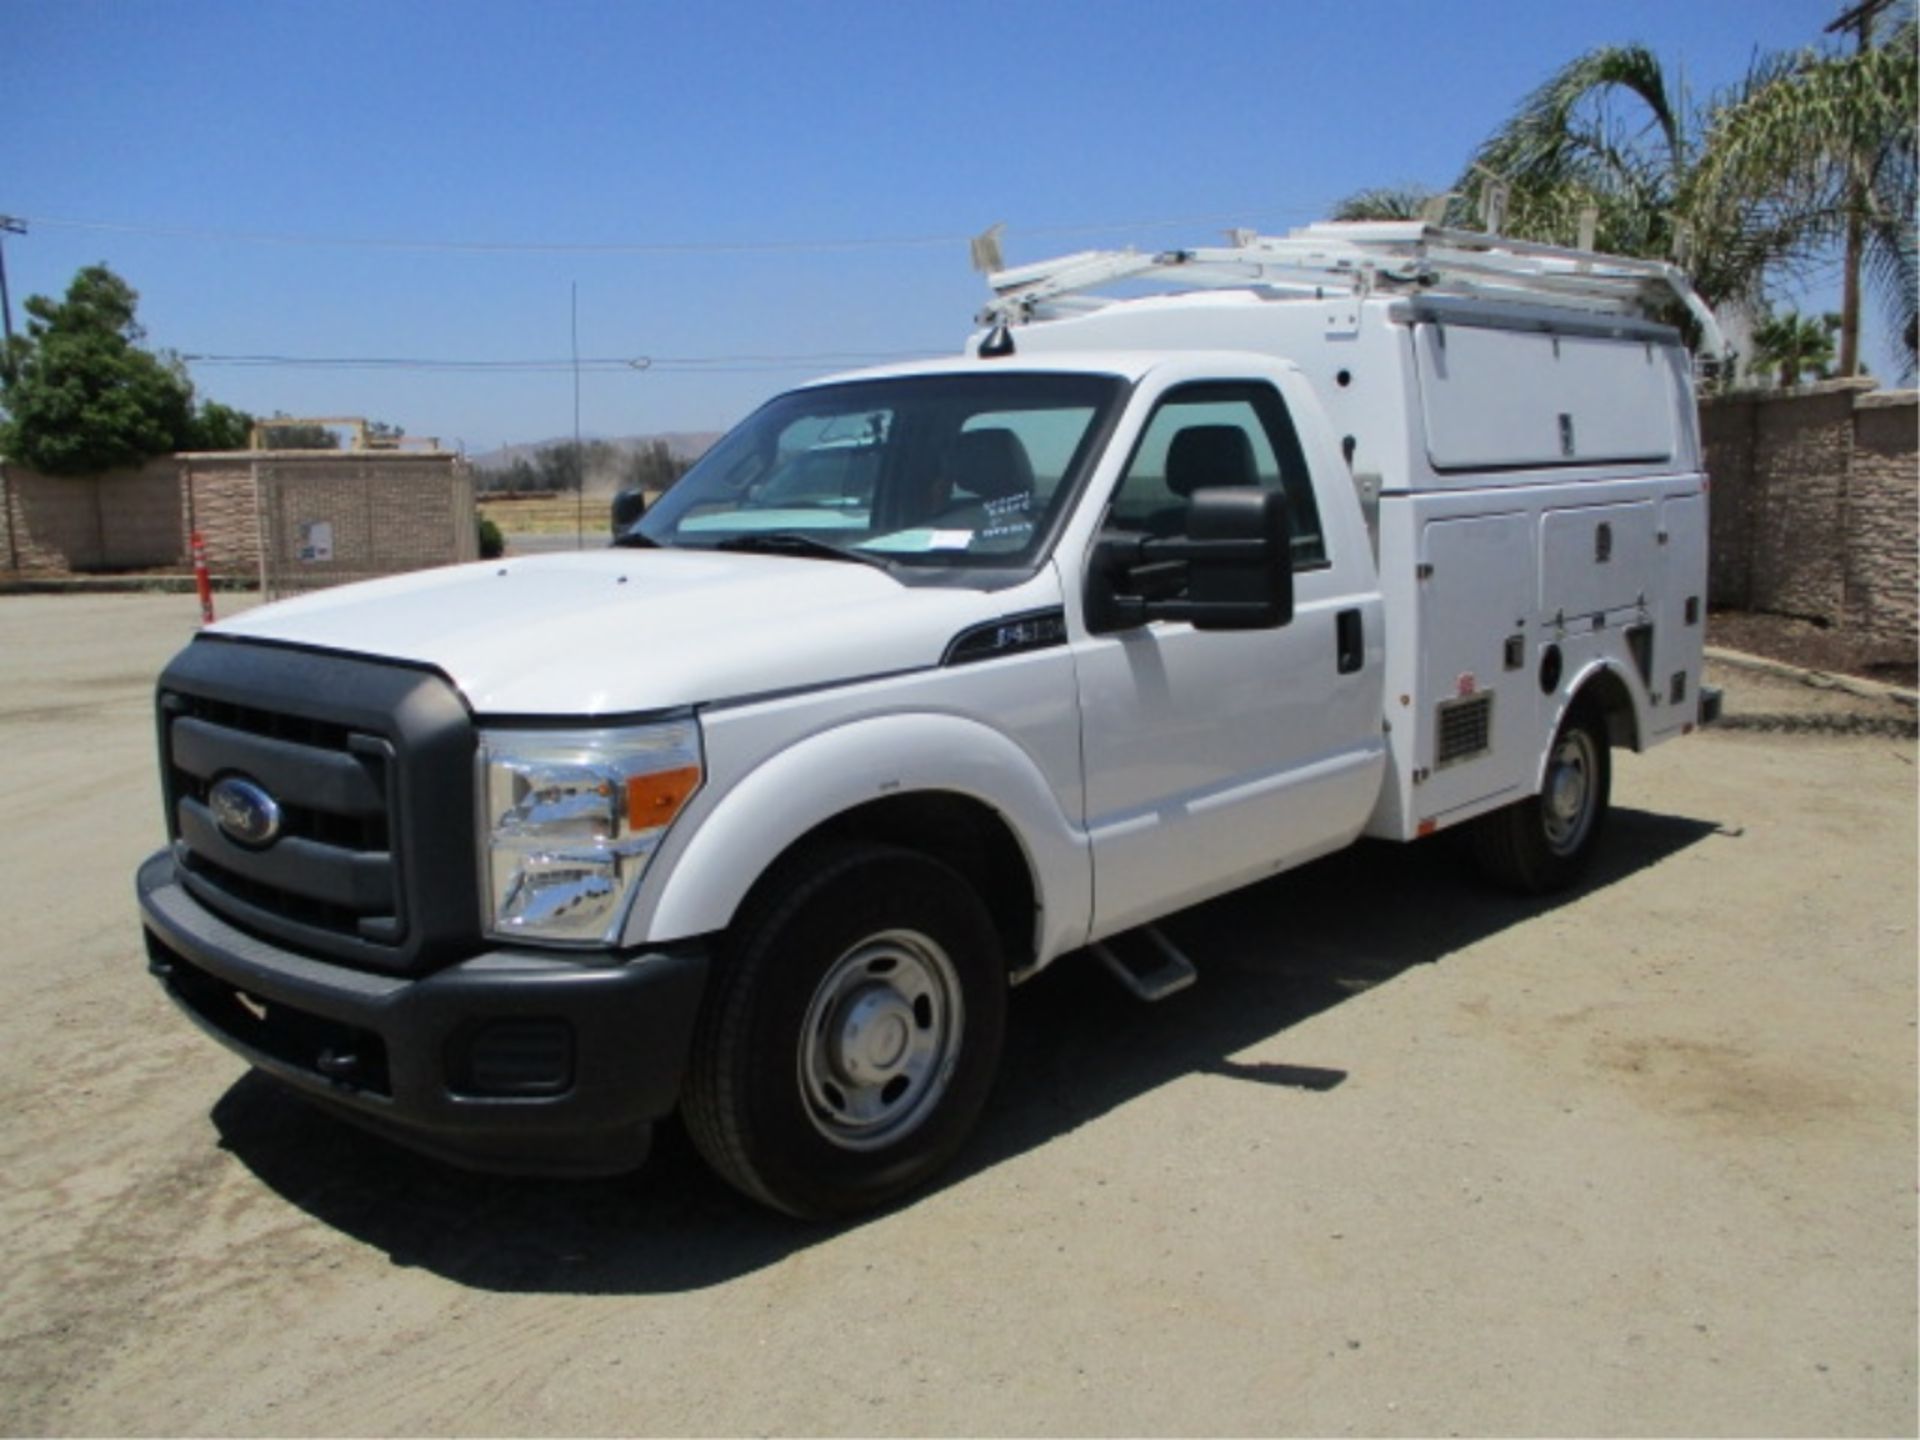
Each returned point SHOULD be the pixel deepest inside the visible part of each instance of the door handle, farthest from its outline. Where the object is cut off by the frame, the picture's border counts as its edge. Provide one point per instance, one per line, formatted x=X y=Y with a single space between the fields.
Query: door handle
x=1349 y=641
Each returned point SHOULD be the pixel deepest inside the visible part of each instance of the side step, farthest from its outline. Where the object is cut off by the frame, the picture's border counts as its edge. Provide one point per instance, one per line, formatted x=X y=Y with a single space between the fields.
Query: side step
x=1146 y=962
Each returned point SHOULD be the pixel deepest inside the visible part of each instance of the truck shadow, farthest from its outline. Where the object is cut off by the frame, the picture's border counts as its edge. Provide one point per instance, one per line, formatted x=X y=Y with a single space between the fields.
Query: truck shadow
x=1077 y=1047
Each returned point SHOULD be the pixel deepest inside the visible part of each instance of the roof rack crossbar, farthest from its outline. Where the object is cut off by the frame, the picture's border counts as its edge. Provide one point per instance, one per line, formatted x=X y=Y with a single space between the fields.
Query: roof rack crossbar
x=1361 y=257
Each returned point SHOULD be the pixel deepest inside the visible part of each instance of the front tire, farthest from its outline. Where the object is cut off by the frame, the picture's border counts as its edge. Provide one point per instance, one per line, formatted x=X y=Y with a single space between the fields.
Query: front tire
x=1546 y=841
x=852 y=1034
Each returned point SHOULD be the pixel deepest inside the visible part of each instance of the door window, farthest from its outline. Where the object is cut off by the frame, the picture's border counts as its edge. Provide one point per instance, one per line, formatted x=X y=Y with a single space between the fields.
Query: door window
x=1218 y=435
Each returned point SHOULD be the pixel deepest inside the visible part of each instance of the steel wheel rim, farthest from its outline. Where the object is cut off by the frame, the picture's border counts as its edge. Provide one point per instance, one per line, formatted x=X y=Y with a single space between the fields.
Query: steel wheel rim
x=880 y=1040
x=1566 y=802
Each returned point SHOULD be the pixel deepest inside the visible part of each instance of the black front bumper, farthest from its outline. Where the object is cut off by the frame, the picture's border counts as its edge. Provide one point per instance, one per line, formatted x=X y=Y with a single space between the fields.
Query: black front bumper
x=510 y=1060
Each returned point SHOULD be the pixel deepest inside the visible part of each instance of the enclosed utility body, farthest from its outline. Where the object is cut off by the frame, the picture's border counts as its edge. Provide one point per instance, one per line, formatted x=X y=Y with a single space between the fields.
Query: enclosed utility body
x=926 y=677
x=1530 y=475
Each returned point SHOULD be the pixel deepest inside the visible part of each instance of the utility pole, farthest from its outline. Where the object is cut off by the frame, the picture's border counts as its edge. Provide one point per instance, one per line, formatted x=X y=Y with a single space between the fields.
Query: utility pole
x=8 y=226
x=579 y=460
x=1859 y=19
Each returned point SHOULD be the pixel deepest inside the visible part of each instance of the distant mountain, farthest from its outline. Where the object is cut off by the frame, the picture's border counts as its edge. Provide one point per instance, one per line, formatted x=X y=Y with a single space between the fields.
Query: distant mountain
x=685 y=444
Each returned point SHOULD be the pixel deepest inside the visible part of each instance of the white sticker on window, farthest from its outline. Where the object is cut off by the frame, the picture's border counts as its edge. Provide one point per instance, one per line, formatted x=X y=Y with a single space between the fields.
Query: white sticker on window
x=918 y=541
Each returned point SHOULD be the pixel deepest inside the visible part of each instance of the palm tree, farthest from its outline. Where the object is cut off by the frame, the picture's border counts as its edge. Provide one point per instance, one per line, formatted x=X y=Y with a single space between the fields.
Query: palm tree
x=1610 y=132
x=1566 y=148
x=1606 y=134
x=1822 y=150
x=1792 y=343
x=1753 y=189
x=1399 y=202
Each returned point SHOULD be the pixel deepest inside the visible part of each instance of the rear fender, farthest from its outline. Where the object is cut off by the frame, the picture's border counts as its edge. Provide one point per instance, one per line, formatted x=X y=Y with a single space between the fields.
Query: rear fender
x=1615 y=690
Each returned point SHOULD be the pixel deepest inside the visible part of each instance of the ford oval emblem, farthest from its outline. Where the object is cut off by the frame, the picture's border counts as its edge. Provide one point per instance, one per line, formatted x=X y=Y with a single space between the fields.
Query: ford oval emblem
x=244 y=812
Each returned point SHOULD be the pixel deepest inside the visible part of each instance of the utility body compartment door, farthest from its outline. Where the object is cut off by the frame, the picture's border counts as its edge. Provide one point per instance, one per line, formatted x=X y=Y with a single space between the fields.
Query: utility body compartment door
x=1598 y=559
x=1496 y=400
x=1478 y=700
x=1680 y=634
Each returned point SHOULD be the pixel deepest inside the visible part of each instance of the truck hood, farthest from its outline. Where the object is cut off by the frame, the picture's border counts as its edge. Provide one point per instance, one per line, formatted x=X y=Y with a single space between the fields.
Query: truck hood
x=627 y=631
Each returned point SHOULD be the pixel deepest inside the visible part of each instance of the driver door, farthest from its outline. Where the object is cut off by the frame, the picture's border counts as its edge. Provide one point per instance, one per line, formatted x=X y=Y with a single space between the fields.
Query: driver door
x=1214 y=758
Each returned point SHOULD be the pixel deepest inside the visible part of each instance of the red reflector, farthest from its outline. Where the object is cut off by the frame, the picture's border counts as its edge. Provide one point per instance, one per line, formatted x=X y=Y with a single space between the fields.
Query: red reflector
x=1427 y=827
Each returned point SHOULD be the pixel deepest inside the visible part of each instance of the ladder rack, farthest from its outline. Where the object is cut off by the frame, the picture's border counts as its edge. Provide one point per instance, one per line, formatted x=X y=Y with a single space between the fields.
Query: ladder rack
x=1360 y=258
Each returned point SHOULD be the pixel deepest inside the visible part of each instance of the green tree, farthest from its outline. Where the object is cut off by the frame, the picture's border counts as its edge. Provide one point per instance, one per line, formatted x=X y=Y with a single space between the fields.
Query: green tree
x=1792 y=343
x=1823 y=148
x=1609 y=133
x=517 y=477
x=1400 y=202
x=296 y=434
x=652 y=467
x=84 y=395
x=1755 y=188
x=221 y=427
x=560 y=467
x=1604 y=130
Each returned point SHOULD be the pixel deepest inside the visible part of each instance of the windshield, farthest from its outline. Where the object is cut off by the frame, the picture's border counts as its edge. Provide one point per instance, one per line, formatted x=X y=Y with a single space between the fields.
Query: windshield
x=935 y=470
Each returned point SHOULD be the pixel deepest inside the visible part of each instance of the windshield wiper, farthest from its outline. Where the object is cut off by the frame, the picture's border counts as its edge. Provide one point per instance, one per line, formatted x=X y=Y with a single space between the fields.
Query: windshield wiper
x=634 y=540
x=793 y=542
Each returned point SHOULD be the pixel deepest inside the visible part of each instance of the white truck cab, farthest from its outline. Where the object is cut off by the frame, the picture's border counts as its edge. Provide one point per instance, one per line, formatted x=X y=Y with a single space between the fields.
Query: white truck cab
x=928 y=676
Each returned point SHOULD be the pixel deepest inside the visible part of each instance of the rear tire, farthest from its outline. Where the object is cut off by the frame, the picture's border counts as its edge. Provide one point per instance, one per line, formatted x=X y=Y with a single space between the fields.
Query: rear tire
x=852 y=1032
x=1546 y=841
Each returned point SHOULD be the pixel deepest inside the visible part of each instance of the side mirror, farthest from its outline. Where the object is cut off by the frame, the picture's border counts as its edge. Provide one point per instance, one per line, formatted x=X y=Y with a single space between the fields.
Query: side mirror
x=628 y=506
x=1241 y=577
x=1236 y=563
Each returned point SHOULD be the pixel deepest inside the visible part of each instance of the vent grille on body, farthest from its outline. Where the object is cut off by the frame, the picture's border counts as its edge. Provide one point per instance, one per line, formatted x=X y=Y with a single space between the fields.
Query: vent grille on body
x=1465 y=728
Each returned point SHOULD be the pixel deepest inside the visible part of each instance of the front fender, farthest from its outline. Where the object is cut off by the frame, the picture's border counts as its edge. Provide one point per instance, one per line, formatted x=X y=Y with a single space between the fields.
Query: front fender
x=707 y=874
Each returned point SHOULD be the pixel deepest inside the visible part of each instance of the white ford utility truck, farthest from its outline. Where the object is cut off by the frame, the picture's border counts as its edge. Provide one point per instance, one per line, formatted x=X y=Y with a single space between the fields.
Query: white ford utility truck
x=927 y=676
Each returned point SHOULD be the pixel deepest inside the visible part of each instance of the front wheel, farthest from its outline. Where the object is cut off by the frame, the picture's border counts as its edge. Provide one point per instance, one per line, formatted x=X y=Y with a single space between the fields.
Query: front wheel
x=1546 y=841
x=852 y=1034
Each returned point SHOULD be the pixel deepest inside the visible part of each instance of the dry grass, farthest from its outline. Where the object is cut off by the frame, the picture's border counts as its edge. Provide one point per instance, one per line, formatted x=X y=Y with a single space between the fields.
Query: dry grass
x=548 y=514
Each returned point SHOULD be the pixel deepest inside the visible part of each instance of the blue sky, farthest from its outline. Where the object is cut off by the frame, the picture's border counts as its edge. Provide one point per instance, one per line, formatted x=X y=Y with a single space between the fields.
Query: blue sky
x=815 y=128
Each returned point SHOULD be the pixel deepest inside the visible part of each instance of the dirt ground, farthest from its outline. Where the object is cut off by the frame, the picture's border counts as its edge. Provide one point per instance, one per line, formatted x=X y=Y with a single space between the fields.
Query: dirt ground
x=1411 y=1158
x=1814 y=647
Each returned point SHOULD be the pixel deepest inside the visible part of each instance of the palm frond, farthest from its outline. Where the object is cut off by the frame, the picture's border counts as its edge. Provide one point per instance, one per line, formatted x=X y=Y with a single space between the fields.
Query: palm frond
x=1542 y=141
x=1813 y=142
x=1386 y=202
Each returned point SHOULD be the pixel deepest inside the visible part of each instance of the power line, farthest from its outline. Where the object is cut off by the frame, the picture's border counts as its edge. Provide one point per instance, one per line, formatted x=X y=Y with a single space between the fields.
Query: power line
x=744 y=246
x=607 y=364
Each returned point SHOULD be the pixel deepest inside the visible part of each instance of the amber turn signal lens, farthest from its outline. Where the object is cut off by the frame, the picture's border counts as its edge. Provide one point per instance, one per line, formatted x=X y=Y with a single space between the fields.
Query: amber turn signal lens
x=653 y=800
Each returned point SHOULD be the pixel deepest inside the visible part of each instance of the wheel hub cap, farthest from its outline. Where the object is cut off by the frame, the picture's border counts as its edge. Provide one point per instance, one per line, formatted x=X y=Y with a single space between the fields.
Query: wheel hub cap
x=874 y=1031
x=1567 y=804
x=880 y=1040
x=1569 y=793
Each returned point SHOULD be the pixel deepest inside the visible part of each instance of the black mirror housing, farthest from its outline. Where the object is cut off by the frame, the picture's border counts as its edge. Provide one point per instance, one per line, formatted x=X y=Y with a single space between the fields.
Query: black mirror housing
x=1232 y=571
x=628 y=506
x=1240 y=576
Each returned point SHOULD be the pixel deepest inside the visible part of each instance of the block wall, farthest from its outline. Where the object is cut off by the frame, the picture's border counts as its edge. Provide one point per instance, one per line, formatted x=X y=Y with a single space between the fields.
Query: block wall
x=1816 y=504
x=121 y=520
x=382 y=513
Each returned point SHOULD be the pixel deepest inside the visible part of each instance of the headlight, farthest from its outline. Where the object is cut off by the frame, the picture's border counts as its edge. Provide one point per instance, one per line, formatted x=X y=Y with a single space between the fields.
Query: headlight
x=569 y=819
